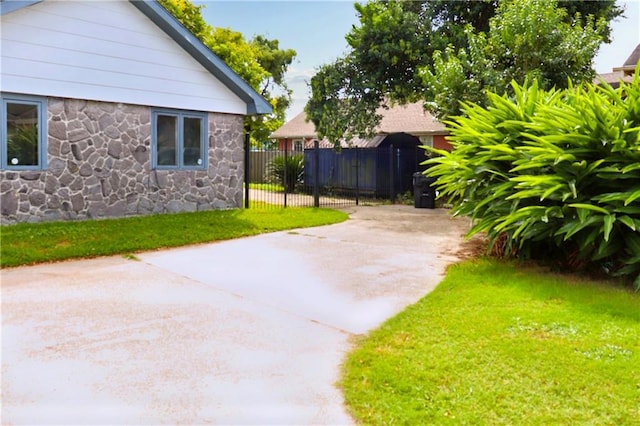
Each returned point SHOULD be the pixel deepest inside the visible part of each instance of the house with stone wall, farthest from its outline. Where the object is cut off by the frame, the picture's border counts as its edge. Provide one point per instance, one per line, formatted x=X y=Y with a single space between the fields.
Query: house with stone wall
x=109 y=109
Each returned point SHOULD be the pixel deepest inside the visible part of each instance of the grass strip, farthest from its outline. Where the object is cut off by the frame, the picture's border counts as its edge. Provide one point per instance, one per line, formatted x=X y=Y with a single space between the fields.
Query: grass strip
x=25 y=244
x=507 y=344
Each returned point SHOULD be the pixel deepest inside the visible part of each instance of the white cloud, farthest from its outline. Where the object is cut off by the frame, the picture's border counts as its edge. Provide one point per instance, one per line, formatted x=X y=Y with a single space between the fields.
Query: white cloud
x=298 y=81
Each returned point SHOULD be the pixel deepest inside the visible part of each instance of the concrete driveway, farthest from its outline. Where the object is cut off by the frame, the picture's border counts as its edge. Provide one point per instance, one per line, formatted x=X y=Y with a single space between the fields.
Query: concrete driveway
x=249 y=331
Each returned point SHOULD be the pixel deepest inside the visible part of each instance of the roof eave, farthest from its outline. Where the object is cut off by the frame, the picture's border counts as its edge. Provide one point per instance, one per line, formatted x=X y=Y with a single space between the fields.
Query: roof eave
x=256 y=104
x=276 y=136
x=8 y=6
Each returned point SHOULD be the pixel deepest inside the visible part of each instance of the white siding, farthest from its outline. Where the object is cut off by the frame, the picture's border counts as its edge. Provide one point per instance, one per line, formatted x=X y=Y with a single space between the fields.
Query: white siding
x=107 y=51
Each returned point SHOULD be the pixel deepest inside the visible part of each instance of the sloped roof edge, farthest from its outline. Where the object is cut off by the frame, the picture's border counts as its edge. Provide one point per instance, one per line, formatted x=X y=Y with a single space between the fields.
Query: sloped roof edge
x=8 y=6
x=153 y=10
x=633 y=58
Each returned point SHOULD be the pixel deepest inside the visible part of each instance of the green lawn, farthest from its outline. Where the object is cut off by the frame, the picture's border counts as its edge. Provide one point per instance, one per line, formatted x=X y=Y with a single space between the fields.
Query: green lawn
x=23 y=244
x=500 y=343
x=273 y=187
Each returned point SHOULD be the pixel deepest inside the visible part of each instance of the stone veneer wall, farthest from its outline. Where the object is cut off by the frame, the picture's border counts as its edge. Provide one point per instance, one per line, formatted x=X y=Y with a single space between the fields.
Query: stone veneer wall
x=98 y=166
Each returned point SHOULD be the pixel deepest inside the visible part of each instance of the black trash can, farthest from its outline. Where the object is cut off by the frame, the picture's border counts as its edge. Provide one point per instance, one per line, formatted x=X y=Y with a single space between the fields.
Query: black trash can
x=424 y=195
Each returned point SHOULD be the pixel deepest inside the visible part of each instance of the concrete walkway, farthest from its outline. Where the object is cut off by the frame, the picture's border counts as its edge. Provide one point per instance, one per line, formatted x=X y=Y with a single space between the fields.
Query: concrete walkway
x=250 y=331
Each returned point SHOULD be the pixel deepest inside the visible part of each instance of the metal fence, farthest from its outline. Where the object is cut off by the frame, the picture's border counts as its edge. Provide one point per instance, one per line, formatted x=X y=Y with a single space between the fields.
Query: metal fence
x=328 y=178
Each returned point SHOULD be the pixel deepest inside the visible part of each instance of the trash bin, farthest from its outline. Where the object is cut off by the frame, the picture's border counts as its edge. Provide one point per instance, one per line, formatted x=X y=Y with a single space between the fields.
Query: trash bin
x=424 y=195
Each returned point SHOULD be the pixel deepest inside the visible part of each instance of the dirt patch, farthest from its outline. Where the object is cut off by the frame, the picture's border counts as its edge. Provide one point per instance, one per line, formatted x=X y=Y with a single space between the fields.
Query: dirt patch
x=474 y=247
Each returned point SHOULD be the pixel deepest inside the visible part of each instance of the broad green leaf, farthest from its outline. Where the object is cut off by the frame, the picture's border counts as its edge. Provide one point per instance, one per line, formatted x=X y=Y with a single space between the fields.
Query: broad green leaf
x=628 y=221
x=571 y=228
x=551 y=190
x=632 y=197
x=591 y=207
x=608 y=225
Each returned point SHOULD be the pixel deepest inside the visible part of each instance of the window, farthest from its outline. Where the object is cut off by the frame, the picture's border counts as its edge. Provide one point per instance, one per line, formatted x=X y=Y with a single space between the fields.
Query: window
x=179 y=140
x=298 y=145
x=426 y=140
x=23 y=133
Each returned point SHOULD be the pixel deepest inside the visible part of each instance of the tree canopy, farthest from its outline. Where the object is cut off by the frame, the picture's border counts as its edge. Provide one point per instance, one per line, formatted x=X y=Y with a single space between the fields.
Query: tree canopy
x=259 y=61
x=526 y=39
x=398 y=43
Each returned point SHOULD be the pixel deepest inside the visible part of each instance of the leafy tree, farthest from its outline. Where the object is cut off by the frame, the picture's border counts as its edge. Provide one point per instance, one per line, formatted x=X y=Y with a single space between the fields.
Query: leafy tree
x=189 y=15
x=527 y=38
x=259 y=61
x=394 y=46
x=340 y=106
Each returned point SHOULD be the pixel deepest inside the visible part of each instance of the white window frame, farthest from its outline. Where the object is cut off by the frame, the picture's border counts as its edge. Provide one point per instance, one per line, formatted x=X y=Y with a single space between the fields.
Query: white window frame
x=41 y=104
x=297 y=141
x=180 y=115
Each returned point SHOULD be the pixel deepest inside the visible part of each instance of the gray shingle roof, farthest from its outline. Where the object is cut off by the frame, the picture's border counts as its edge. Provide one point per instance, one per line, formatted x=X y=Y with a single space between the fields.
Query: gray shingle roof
x=634 y=58
x=629 y=66
x=410 y=118
x=297 y=127
x=612 y=78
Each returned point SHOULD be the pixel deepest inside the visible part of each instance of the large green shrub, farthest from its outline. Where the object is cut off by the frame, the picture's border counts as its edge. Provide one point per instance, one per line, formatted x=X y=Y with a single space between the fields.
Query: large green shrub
x=288 y=171
x=551 y=173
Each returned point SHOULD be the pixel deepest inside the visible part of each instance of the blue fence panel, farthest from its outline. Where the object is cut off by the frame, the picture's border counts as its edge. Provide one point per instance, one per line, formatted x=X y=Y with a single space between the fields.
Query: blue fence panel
x=342 y=172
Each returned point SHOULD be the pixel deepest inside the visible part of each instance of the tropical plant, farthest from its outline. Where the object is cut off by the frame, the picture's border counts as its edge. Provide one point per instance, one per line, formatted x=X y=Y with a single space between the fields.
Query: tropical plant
x=287 y=171
x=551 y=173
x=527 y=38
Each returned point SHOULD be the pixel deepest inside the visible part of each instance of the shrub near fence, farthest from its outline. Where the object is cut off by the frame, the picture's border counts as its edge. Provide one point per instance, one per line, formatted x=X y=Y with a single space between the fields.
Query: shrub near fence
x=551 y=174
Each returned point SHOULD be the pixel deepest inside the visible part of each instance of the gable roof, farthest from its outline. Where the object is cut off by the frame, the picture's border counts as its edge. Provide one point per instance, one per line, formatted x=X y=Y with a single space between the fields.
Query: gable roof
x=630 y=64
x=297 y=127
x=410 y=118
x=154 y=11
x=634 y=58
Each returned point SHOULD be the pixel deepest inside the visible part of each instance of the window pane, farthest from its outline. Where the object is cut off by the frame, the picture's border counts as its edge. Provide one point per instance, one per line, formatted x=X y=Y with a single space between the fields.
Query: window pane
x=193 y=141
x=166 y=134
x=22 y=134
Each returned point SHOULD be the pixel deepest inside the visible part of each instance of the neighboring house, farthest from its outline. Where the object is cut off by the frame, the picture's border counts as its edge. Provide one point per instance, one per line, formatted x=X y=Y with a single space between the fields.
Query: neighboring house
x=382 y=166
x=113 y=108
x=623 y=73
x=411 y=120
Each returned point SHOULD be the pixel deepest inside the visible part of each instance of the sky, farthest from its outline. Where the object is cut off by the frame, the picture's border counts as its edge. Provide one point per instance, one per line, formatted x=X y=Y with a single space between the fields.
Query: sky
x=316 y=30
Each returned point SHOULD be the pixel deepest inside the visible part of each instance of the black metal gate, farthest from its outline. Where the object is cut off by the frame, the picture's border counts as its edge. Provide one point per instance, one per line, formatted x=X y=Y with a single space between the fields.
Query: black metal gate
x=324 y=177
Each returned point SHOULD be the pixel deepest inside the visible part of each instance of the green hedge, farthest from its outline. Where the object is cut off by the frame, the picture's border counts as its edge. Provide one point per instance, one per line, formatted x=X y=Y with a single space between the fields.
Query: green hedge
x=551 y=173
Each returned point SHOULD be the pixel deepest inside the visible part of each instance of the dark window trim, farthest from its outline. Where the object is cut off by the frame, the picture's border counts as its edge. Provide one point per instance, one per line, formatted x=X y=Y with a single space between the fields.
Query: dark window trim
x=41 y=103
x=180 y=114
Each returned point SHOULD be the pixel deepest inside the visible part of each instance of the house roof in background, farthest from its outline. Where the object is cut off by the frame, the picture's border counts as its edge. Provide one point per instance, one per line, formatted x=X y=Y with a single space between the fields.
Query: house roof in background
x=634 y=58
x=297 y=127
x=410 y=118
x=153 y=10
x=630 y=64
x=613 y=78
x=623 y=73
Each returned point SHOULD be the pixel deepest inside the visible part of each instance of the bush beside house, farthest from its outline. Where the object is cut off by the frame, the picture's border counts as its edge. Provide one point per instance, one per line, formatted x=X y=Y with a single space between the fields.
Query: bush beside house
x=551 y=174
